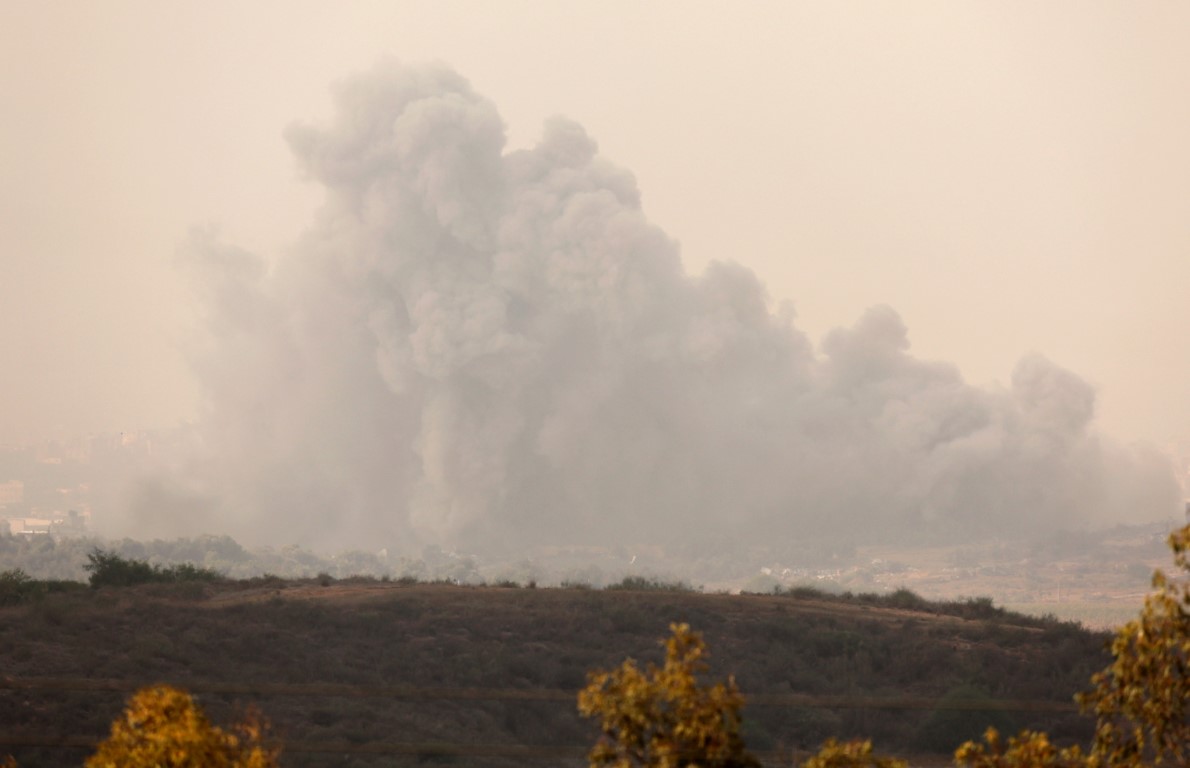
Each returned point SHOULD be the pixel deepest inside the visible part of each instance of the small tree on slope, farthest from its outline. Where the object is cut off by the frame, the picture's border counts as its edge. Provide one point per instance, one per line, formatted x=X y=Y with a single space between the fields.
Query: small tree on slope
x=162 y=727
x=664 y=717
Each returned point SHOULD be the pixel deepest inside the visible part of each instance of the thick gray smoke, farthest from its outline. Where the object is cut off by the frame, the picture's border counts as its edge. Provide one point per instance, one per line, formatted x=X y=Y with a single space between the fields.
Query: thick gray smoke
x=486 y=350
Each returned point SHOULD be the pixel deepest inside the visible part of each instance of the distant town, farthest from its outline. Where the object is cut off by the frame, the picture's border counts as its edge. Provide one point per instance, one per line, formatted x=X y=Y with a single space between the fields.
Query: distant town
x=59 y=487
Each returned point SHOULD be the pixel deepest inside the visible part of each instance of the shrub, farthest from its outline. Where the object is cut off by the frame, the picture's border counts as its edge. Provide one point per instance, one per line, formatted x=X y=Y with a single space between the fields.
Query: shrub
x=646 y=584
x=15 y=587
x=111 y=570
x=189 y=572
x=108 y=569
x=806 y=592
x=908 y=599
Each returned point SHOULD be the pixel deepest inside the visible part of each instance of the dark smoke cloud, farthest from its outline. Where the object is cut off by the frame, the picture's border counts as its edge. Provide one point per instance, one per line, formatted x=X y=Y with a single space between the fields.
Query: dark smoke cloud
x=490 y=350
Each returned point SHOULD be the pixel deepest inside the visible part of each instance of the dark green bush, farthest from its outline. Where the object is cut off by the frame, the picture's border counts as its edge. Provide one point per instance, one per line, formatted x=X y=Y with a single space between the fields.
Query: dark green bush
x=806 y=592
x=908 y=599
x=15 y=587
x=189 y=572
x=108 y=569
x=645 y=584
x=18 y=587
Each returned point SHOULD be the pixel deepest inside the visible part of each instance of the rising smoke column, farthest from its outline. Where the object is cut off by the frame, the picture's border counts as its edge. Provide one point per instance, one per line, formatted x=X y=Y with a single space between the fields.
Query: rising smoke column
x=486 y=350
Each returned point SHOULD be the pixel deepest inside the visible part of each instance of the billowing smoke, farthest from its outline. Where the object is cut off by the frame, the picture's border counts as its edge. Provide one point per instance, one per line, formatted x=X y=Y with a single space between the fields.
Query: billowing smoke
x=488 y=349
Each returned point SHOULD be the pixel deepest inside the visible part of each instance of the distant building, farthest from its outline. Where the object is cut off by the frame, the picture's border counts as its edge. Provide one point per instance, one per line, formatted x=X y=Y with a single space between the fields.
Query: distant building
x=30 y=526
x=74 y=524
x=42 y=523
x=11 y=493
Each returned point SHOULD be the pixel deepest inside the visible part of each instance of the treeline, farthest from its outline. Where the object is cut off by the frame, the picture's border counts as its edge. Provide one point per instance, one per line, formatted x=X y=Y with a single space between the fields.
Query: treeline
x=219 y=556
x=106 y=569
x=112 y=568
x=44 y=557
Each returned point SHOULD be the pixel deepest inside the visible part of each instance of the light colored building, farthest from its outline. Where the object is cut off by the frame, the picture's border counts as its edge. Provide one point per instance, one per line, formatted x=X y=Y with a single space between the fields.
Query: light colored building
x=11 y=492
x=30 y=526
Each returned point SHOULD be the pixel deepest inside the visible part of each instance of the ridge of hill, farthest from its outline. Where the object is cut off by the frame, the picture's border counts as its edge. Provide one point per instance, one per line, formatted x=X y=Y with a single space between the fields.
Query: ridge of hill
x=367 y=672
x=1095 y=577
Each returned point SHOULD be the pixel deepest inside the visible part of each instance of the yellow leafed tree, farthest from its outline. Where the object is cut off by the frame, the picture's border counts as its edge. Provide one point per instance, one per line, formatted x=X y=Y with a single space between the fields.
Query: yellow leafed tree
x=163 y=727
x=1142 y=701
x=851 y=754
x=1030 y=749
x=664 y=717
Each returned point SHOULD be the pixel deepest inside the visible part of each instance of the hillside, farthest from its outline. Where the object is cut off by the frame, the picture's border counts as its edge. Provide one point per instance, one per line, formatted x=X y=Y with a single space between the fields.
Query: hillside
x=354 y=672
x=1095 y=578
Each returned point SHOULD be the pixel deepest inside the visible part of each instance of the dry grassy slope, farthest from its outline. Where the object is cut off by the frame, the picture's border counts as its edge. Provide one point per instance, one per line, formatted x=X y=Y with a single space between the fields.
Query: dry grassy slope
x=439 y=636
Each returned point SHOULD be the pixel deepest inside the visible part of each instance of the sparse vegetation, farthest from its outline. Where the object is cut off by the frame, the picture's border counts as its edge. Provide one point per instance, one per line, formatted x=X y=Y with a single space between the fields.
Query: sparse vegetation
x=419 y=634
x=18 y=587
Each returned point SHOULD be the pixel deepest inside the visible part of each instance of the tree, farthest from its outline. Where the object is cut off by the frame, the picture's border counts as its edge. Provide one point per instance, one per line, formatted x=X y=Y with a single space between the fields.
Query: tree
x=1031 y=749
x=1141 y=699
x=162 y=727
x=851 y=754
x=665 y=717
x=108 y=569
x=15 y=586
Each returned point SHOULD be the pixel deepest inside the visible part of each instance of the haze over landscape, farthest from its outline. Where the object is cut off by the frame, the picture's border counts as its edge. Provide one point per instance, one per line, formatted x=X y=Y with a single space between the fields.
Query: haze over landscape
x=791 y=274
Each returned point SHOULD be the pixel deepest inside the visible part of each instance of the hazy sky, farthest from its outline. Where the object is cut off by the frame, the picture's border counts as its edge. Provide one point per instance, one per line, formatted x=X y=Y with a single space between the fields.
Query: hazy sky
x=1010 y=177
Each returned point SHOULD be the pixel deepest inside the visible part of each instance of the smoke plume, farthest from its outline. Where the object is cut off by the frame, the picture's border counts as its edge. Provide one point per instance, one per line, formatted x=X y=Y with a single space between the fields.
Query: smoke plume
x=486 y=350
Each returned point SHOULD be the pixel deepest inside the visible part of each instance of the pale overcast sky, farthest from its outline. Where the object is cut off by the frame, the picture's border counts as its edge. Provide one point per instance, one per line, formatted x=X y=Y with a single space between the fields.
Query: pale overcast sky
x=1010 y=177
